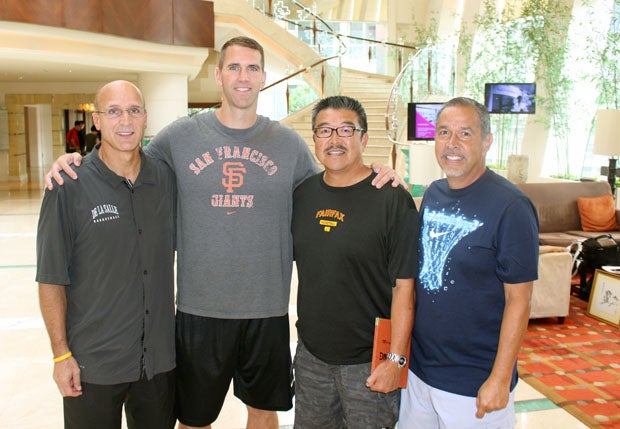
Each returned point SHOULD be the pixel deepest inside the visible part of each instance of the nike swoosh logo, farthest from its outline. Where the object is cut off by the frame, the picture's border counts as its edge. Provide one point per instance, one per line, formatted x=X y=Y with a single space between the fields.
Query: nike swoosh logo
x=232 y=212
x=434 y=234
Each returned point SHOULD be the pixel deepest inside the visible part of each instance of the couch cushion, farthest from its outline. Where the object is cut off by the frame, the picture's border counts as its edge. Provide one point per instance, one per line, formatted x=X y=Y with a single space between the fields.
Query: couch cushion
x=561 y=239
x=584 y=234
x=597 y=213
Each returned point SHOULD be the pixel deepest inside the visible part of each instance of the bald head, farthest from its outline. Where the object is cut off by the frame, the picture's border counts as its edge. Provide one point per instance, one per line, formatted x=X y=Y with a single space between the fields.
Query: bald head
x=117 y=87
x=121 y=117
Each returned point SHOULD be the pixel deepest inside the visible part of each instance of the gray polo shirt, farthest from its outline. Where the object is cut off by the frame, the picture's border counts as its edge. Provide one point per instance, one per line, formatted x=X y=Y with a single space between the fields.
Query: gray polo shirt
x=112 y=245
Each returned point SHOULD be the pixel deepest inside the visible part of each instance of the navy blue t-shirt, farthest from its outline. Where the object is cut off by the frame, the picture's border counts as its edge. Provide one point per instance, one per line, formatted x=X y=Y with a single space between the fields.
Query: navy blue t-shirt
x=472 y=241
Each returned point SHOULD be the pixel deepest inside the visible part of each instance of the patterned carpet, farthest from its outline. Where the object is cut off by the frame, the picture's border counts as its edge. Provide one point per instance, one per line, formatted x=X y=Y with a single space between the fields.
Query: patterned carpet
x=576 y=365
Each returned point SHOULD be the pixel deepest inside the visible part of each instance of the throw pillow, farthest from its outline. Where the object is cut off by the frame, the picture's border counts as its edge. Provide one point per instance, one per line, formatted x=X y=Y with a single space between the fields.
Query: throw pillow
x=597 y=213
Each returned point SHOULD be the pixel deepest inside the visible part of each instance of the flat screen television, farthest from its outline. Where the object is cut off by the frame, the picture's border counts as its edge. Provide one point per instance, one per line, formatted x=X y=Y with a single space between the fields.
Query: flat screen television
x=510 y=97
x=421 y=120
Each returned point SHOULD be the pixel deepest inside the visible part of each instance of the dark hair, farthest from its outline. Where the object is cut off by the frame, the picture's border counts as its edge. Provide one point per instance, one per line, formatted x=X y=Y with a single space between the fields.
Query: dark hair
x=246 y=42
x=76 y=123
x=483 y=113
x=341 y=102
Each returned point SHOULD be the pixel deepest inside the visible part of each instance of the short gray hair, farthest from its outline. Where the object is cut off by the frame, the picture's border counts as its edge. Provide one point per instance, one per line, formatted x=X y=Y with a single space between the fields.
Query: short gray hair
x=483 y=113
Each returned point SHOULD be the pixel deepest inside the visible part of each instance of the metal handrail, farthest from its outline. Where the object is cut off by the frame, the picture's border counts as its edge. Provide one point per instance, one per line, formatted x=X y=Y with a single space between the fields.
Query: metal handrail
x=422 y=84
x=393 y=92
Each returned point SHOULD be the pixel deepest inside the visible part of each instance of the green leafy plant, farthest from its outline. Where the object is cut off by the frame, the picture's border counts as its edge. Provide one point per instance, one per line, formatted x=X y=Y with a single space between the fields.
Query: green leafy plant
x=521 y=45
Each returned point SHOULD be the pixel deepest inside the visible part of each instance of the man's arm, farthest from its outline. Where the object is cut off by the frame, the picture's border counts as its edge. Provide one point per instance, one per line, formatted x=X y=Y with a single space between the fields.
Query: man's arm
x=386 y=377
x=493 y=394
x=53 y=302
x=62 y=163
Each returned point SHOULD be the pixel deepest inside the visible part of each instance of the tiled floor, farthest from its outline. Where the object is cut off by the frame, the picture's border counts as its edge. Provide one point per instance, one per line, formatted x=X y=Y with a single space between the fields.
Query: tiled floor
x=28 y=395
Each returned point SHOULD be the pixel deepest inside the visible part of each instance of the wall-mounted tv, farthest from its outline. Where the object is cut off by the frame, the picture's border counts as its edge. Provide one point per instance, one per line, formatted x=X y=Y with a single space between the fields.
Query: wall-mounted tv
x=510 y=97
x=421 y=120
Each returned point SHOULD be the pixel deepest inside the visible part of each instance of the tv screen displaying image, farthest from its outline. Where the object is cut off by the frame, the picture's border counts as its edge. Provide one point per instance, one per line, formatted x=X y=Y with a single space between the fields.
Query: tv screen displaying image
x=421 y=120
x=510 y=97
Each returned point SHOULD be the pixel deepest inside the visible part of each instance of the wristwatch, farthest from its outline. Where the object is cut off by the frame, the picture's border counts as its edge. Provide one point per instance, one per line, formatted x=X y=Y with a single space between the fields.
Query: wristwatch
x=401 y=361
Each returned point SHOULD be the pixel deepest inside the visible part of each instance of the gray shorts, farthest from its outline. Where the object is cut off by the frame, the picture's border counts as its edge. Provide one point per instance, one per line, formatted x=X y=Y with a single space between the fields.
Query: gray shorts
x=335 y=396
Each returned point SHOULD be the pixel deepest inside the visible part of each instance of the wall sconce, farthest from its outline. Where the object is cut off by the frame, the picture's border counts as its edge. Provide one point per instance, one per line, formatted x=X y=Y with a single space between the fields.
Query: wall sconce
x=607 y=142
x=87 y=107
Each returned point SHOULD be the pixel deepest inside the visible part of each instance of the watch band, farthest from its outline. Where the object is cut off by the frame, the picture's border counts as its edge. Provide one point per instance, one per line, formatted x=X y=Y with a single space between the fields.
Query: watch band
x=400 y=360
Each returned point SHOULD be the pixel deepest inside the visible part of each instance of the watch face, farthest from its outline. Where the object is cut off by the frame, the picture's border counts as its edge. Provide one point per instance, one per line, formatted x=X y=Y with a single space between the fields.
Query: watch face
x=401 y=361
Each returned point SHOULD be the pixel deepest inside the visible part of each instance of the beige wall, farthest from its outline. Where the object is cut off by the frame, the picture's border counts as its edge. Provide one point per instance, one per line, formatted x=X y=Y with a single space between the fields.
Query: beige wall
x=17 y=155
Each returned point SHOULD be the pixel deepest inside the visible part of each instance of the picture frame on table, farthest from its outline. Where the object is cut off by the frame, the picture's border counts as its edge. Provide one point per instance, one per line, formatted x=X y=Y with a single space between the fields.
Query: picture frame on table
x=604 y=303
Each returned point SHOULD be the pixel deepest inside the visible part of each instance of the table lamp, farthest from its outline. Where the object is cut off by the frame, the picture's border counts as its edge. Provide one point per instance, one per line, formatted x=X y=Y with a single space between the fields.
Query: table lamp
x=607 y=142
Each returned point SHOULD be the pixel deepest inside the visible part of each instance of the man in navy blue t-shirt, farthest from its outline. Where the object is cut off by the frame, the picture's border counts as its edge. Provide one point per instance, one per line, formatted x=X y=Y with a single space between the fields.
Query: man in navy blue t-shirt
x=478 y=260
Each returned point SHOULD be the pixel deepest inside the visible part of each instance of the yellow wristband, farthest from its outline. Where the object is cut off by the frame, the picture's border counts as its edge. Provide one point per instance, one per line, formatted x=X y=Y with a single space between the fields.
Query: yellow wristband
x=63 y=357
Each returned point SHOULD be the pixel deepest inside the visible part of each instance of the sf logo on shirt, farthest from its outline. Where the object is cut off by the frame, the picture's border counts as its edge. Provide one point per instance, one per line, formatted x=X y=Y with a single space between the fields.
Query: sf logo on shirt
x=232 y=179
x=233 y=176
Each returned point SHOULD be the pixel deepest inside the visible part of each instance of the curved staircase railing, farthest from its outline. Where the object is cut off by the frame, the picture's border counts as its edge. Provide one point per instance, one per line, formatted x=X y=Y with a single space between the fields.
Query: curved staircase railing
x=322 y=78
x=424 y=77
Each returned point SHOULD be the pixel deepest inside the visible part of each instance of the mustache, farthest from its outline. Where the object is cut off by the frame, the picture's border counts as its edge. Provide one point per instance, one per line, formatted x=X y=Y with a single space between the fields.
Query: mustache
x=335 y=146
x=452 y=152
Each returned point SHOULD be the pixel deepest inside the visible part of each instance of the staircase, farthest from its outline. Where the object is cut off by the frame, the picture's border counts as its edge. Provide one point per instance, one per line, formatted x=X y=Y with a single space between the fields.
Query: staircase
x=373 y=92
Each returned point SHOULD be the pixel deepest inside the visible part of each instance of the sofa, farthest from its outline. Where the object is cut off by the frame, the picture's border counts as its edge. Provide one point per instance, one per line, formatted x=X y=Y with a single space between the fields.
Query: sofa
x=560 y=225
x=558 y=213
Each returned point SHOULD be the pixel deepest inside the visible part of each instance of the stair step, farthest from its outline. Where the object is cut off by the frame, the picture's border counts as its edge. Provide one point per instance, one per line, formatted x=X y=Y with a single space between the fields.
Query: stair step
x=372 y=91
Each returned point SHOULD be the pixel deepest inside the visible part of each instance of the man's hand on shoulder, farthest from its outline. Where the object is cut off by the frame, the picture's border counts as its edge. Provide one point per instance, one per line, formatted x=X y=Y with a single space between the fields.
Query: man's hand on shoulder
x=63 y=163
x=386 y=174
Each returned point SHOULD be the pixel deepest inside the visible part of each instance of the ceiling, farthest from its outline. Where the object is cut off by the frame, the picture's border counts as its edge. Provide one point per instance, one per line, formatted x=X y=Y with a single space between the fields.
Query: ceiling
x=34 y=57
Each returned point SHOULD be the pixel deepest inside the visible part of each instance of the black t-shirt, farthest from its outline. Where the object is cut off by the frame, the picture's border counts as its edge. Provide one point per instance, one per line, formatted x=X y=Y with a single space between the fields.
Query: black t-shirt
x=350 y=245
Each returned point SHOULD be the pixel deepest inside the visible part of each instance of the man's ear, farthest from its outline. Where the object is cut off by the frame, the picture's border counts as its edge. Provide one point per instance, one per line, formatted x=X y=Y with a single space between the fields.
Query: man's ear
x=364 y=141
x=218 y=76
x=488 y=140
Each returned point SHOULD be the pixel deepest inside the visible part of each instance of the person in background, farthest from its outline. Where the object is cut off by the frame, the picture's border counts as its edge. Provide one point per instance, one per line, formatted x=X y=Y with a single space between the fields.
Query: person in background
x=236 y=172
x=73 y=137
x=82 y=137
x=91 y=139
x=479 y=258
x=105 y=258
x=356 y=254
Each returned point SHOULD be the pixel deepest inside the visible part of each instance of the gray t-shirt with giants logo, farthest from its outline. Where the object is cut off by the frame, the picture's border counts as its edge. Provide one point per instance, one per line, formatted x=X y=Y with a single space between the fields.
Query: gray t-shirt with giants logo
x=235 y=207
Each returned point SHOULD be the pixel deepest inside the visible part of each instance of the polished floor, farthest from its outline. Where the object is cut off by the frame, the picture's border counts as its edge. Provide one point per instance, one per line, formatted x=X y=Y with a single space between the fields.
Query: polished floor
x=28 y=396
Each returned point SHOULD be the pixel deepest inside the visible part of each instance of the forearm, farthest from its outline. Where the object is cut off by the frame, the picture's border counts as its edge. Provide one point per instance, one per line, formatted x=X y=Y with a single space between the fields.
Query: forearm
x=385 y=378
x=514 y=325
x=401 y=315
x=53 y=303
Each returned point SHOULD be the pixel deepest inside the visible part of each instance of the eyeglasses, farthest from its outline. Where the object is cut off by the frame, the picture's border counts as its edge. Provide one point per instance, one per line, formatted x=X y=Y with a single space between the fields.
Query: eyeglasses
x=344 y=131
x=115 y=112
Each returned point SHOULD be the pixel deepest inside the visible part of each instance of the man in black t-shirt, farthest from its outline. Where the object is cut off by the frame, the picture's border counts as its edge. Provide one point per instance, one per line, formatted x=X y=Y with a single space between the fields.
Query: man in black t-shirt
x=355 y=248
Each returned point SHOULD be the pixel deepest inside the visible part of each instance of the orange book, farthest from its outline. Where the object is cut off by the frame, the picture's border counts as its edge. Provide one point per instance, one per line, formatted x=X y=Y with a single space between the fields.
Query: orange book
x=381 y=347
